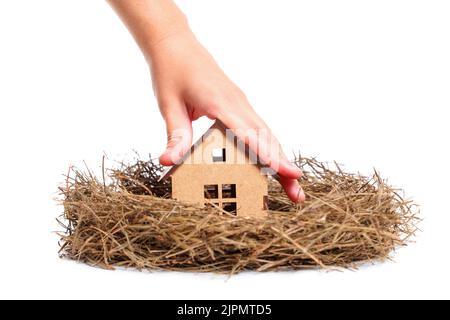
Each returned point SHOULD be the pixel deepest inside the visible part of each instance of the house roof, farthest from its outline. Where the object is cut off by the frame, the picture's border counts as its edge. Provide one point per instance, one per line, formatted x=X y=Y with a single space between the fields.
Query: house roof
x=167 y=172
x=217 y=124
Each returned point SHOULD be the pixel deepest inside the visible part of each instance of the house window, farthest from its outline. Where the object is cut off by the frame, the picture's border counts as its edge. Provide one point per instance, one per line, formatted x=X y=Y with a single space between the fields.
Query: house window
x=219 y=155
x=230 y=207
x=211 y=191
x=222 y=196
x=228 y=191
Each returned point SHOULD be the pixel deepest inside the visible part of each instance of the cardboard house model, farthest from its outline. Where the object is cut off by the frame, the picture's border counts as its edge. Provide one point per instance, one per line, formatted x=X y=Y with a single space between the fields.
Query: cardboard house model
x=220 y=170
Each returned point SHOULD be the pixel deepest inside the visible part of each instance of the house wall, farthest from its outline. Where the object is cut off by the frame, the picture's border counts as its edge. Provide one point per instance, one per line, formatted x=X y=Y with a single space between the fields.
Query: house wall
x=188 y=183
x=198 y=170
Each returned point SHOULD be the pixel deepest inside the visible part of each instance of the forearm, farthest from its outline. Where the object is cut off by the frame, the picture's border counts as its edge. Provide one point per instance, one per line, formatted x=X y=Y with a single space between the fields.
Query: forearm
x=150 y=21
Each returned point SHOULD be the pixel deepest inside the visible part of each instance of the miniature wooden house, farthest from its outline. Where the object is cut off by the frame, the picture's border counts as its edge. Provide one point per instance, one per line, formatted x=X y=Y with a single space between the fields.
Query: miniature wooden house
x=220 y=170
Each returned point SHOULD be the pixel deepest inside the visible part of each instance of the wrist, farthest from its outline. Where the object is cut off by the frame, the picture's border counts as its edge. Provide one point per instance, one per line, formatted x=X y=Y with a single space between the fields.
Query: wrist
x=178 y=28
x=169 y=47
x=151 y=21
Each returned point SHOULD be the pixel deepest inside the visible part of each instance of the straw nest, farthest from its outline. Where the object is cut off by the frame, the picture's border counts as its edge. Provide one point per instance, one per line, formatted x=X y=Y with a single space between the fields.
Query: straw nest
x=347 y=219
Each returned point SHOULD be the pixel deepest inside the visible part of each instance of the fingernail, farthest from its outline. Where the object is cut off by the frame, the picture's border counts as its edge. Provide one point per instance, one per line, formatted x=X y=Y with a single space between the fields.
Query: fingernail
x=300 y=195
x=291 y=164
x=297 y=169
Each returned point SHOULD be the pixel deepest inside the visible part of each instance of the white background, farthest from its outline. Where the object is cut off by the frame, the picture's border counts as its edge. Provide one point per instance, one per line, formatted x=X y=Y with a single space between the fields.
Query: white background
x=365 y=83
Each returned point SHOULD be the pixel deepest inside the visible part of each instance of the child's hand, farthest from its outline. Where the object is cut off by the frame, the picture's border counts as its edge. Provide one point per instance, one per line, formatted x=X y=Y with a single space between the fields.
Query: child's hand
x=189 y=84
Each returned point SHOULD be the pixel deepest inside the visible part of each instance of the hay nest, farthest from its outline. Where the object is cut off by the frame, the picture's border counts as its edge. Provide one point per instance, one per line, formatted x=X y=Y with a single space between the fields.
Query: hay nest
x=347 y=219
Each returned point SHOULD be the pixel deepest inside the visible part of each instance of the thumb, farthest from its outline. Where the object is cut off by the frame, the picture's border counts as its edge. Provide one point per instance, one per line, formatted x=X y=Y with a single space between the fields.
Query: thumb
x=179 y=136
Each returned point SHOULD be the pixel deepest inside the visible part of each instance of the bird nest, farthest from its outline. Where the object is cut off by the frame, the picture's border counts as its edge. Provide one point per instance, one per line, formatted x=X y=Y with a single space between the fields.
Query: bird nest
x=130 y=221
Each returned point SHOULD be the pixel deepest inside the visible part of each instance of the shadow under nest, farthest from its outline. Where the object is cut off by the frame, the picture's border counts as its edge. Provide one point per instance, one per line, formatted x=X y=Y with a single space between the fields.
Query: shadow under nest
x=347 y=219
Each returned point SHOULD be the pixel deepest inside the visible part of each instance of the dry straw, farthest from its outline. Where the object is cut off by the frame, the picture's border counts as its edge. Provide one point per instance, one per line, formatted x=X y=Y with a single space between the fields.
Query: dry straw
x=347 y=219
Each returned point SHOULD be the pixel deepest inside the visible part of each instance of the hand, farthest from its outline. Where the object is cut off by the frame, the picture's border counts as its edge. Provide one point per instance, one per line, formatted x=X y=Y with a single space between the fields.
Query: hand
x=189 y=84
